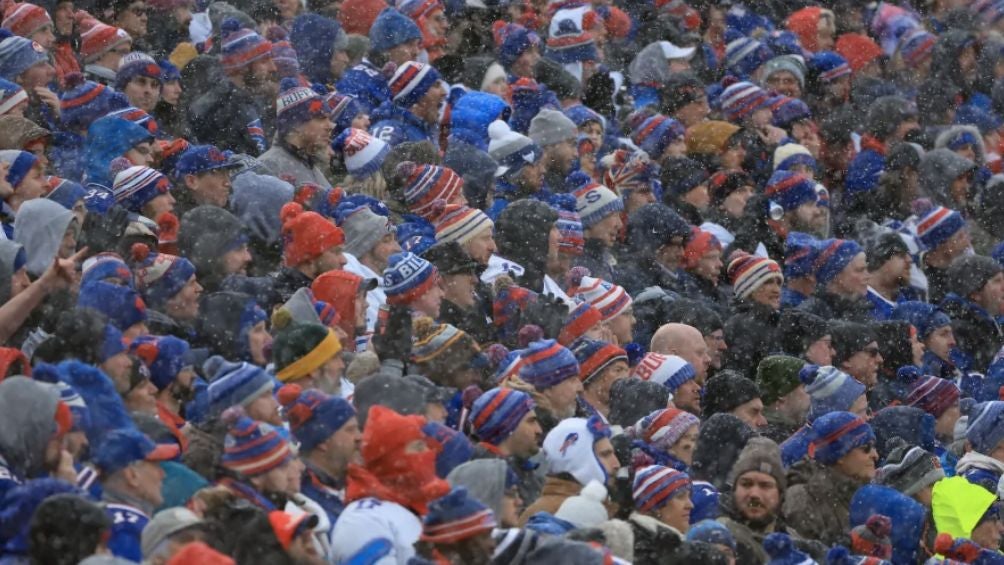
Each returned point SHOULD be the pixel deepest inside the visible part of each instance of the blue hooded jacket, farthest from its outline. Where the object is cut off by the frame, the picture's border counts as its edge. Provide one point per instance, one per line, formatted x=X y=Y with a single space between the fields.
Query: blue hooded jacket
x=908 y=515
x=108 y=138
x=467 y=147
x=313 y=38
x=396 y=125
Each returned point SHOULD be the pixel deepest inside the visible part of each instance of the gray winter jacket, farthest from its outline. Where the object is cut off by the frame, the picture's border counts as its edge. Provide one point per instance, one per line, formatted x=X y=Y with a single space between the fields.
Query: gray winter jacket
x=293 y=168
x=27 y=423
x=39 y=226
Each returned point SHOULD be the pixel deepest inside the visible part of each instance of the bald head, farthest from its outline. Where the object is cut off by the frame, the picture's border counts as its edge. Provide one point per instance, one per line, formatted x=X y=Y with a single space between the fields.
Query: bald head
x=685 y=341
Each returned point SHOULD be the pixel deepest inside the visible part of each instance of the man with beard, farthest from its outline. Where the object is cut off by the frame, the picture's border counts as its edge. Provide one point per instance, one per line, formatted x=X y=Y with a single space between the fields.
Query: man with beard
x=506 y=423
x=752 y=510
x=555 y=133
x=466 y=301
x=553 y=373
x=231 y=115
x=257 y=462
x=169 y=361
x=303 y=136
x=889 y=263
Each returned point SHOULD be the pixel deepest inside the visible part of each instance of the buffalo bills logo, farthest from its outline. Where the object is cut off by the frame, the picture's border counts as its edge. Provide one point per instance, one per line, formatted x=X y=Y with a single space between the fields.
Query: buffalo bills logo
x=257 y=134
x=570 y=440
x=216 y=156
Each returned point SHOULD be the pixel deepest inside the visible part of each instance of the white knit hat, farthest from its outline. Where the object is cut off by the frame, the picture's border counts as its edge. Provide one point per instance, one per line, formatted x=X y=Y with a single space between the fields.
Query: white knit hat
x=511 y=150
x=585 y=510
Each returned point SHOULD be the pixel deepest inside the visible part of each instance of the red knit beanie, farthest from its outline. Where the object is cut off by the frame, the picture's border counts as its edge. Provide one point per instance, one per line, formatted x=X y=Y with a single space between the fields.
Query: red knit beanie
x=306 y=235
x=357 y=16
x=858 y=49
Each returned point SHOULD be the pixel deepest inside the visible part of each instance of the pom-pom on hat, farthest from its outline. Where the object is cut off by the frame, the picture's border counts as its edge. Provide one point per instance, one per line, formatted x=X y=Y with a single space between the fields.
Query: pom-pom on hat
x=296 y=106
x=159 y=276
x=871 y=539
x=411 y=81
x=455 y=518
x=407 y=277
x=546 y=364
x=497 y=413
x=655 y=485
x=136 y=64
x=663 y=428
x=24 y=19
x=252 y=448
x=165 y=357
x=11 y=94
x=121 y=304
x=313 y=416
x=100 y=39
x=836 y=434
x=830 y=389
x=511 y=150
x=610 y=299
x=362 y=153
x=241 y=46
x=423 y=185
x=594 y=356
x=749 y=272
x=135 y=187
x=782 y=550
x=671 y=371
x=306 y=235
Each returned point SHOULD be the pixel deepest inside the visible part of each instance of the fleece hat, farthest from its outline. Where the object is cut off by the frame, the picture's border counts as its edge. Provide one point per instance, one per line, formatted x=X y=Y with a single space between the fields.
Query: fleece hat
x=830 y=389
x=407 y=277
x=610 y=299
x=423 y=185
x=594 y=356
x=777 y=376
x=740 y=99
x=671 y=371
x=790 y=190
x=910 y=470
x=970 y=273
x=362 y=153
x=497 y=413
x=836 y=434
x=749 y=272
x=392 y=28
x=568 y=448
x=834 y=256
x=593 y=202
x=726 y=391
x=937 y=225
x=986 y=426
x=136 y=64
x=663 y=428
x=655 y=485
x=306 y=235
x=313 y=416
x=253 y=448
x=411 y=81
x=549 y=127
x=165 y=357
x=18 y=54
x=100 y=39
x=546 y=364
x=456 y=517
x=511 y=150
x=11 y=94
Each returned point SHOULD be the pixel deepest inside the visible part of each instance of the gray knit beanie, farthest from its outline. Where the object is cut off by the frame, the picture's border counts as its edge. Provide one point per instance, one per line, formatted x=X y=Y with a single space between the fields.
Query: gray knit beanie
x=909 y=469
x=549 y=127
x=363 y=229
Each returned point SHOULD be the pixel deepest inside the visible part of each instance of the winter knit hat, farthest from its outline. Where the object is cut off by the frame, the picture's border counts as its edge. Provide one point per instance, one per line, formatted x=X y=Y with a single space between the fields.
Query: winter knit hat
x=782 y=551
x=871 y=539
x=909 y=470
x=800 y=253
x=932 y=394
x=392 y=28
x=790 y=190
x=84 y=101
x=744 y=55
x=11 y=94
x=135 y=187
x=19 y=164
x=159 y=276
x=671 y=371
x=122 y=305
x=165 y=357
x=834 y=256
x=663 y=428
x=549 y=127
x=569 y=43
x=283 y=54
x=25 y=19
x=301 y=348
x=363 y=228
x=424 y=184
x=135 y=64
x=237 y=384
x=829 y=66
x=937 y=225
x=654 y=134
x=580 y=320
x=790 y=155
x=777 y=376
x=457 y=222
x=497 y=413
x=858 y=49
x=568 y=448
x=253 y=448
x=440 y=350
x=546 y=364
x=986 y=426
x=594 y=356
x=100 y=39
x=793 y=64
x=761 y=455
x=749 y=272
x=830 y=389
x=836 y=434
x=571 y=239
x=18 y=54
x=511 y=150
x=740 y=99
x=655 y=485
x=407 y=277
x=726 y=391
x=786 y=111
x=241 y=46
x=362 y=153
x=916 y=46
x=306 y=235
x=313 y=416
x=512 y=40
x=699 y=244
x=411 y=81
x=610 y=299
x=970 y=273
x=593 y=201
x=297 y=105
x=456 y=517
x=926 y=318
x=710 y=137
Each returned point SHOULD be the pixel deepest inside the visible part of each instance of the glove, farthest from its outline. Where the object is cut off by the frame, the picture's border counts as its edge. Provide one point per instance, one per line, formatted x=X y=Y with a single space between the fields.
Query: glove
x=394 y=341
x=103 y=232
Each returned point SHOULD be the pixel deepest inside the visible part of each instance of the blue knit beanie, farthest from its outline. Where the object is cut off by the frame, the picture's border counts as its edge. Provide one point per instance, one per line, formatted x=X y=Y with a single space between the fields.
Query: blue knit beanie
x=921 y=315
x=512 y=40
x=313 y=416
x=710 y=531
x=237 y=384
x=122 y=305
x=937 y=224
x=834 y=256
x=546 y=364
x=392 y=28
x=497 y=413
x=830 y=389
x=84 y=101
x=782 y=550
x=111 y=343
x=11 y=95
x=800 y=253
x=456 y=517
x=253 y=448
x=18 y=54
x=836 y=434
x=790 y=190
x=168 y=72
x=406 y=277
x=454 y=447
x=136 y=64
x=65 y=192
x=297 y=105
x=986 y=426
x=829 y=66
x=165 y=357
x=744 y=55
x=20 y=164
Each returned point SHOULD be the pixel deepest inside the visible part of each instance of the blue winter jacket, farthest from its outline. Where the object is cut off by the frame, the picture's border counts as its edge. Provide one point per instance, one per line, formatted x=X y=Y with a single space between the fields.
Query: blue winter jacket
x=366 y=83
x=395 y=125
x=108 y=138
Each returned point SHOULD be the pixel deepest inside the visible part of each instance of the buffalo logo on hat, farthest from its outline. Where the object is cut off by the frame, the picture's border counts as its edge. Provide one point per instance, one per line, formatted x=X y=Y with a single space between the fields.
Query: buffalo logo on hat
x=215 y=155
x=570 y=440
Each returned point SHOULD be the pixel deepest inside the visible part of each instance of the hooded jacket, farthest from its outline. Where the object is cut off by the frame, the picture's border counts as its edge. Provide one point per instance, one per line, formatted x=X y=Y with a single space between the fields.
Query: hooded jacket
x=945 y=58
x=829 y=306
x=980 y=470
x=108 y=138
x=821 y=505
x=957 y=506
x=938 y=169
x=230 y=117
x=467 y=145
x=484 y=479
x=907 y=514
x=977 y=333
x=520 y=231
x=315 y=38
x=396 y=125
x=295 y=166
x=27 y=423
x=39 y=226
x=8 y=257
x=950 y=132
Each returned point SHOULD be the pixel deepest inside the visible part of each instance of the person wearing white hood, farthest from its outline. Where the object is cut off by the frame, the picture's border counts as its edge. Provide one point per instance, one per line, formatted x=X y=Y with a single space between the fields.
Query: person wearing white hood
x=47 y=231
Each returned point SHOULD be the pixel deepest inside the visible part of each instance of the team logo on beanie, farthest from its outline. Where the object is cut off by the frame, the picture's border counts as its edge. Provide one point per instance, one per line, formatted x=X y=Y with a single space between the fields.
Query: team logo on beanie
x=570 y=440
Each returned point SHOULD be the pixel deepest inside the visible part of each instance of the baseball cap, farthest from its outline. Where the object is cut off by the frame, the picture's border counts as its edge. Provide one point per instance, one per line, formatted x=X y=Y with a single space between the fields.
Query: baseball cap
x=203 y=158
x=124 y=447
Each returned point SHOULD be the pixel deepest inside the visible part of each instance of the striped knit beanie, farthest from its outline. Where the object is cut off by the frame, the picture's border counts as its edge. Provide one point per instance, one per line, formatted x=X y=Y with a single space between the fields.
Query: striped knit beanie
x=829 y=66
x=933 y=395
x=699 y=244
x=497 y=413
x=836 y=434
x=740 y=99
x=241 y=46
x=237 y=384
x=441 y=349
x=407 y=277
x=25 y=19
x=512 y=40
x=580 y=320
x=594 y=356
x=571 y=240
x=159 y=276
x=916 y=46
x=834 y=256
x=362 y=153
x=253 y=448
x=11 y=94
x=136 y=64
x=937 y=225
x=800 y=253
x=744 y=55
x=593 y=201
x=985 y=429
x=671 y=371
x=792 y=154
x=654 y=134
x=610 y=299
x=313 y=416
x=569 y=43
x=625 y=171
x=18 y=54
x=457 y=222
x=100 y=39
x=790 y=190
x=546 y=364
x=411 y=81
x=749 y=272
x=655 y=485
x=165 y=357
x=455 y=518
x=510 y=301
x=297 y=105
x=424 y=184
x=283 y=54
x=663 y=428
x=135 y=187
x=84 y=101
x=830 y=390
